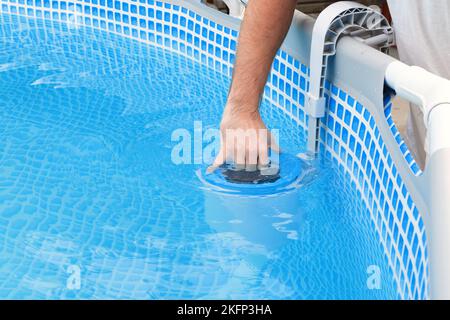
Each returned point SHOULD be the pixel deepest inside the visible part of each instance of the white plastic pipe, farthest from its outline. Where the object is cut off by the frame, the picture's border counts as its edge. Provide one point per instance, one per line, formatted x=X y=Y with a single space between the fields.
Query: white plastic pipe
x=432 y=95
x=236 y=8
x=439 y=186
x=438 y=224
x=439 y=128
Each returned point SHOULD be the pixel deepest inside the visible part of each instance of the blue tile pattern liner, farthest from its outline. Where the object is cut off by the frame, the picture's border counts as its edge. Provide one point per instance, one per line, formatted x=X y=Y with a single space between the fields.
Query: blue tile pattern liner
x=349 y=134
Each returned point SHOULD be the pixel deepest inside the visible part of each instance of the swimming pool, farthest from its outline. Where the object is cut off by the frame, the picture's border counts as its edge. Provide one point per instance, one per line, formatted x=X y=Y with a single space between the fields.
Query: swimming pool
x=91 y=93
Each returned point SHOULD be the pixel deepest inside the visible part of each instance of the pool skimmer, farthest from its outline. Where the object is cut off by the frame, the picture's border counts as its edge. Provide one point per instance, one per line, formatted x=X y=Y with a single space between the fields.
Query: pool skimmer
x=285 y=172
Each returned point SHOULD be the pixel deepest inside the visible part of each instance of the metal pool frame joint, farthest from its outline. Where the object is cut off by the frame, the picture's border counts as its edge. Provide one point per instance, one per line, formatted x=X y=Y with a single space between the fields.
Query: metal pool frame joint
x=341 y=18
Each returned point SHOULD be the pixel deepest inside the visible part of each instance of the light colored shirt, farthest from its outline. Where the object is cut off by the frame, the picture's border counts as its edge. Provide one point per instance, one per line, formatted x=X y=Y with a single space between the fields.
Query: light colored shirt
x=422 y=29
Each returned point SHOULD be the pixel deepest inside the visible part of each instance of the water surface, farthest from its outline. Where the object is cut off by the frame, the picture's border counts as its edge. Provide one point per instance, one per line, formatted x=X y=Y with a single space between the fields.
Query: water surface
x=87 y=184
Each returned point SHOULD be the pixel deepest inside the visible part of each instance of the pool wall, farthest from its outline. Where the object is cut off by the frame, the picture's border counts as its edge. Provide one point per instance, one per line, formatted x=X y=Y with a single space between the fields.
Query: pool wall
x=353 y=133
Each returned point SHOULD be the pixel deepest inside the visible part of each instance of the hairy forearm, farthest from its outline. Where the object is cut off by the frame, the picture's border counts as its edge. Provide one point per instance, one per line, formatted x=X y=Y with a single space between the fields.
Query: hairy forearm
x=264 y=28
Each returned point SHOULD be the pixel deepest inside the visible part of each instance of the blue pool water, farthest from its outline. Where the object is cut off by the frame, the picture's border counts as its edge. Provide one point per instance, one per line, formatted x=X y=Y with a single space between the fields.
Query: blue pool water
x=88 y=190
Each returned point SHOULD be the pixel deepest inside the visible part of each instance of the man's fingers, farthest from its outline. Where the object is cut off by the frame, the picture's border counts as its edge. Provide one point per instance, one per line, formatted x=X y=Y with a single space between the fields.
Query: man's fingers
x=251 y=152
x=240 y=152
x=247 y=151
x=229 y=146
x=263 y=152
x=252 y=157
x=220 y=159
x=274 y=145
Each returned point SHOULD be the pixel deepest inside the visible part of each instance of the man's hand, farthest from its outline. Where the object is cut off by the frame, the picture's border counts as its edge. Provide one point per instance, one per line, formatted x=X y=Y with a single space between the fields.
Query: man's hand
x=245 y=139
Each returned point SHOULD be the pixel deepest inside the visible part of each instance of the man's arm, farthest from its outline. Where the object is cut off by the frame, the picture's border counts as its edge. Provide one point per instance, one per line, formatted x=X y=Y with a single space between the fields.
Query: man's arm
x=264 y=28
